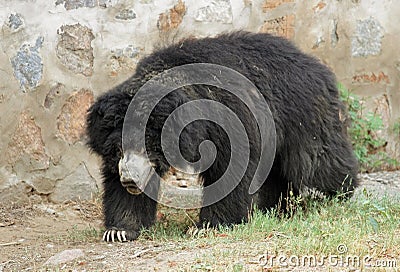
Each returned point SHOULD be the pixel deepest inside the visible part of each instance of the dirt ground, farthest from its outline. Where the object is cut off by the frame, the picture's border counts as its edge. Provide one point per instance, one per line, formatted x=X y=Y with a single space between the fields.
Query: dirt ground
x=31 y=234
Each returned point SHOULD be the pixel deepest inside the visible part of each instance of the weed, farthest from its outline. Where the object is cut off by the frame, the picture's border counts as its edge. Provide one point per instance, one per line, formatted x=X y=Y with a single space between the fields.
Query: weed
x=368 y=147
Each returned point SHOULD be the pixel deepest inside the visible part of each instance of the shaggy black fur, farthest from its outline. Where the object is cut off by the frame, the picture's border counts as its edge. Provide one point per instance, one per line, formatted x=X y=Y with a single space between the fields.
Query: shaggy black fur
x=312 y=149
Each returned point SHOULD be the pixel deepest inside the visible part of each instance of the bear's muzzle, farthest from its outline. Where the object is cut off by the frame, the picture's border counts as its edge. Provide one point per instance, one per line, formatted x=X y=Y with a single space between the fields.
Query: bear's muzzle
x=135 y=172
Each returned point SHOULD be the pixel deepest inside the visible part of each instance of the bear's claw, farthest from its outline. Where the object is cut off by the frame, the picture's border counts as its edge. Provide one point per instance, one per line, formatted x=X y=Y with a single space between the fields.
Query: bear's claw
x=114 y=235
x=111 y=235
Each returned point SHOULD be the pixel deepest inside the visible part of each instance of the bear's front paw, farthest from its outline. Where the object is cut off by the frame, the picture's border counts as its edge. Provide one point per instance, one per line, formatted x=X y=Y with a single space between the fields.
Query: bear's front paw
x=113 y=235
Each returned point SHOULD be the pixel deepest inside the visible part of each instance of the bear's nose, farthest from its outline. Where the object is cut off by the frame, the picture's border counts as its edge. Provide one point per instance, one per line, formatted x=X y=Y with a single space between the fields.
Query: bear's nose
x=134 y=171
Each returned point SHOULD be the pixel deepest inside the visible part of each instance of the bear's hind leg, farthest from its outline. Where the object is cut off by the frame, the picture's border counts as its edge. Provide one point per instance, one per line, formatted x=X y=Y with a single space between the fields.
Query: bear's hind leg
x=274 y=192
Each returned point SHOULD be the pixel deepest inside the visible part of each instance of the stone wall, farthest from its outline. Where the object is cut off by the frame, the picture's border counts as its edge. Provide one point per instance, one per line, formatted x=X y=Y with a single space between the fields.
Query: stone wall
x=58 y=55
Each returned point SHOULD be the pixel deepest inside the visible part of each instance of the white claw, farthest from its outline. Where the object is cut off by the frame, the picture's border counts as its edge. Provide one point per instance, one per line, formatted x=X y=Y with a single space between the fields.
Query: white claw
x=112 y=235
x=119 y=236
x=108 y=235
x=105 y=235
x=124 y=236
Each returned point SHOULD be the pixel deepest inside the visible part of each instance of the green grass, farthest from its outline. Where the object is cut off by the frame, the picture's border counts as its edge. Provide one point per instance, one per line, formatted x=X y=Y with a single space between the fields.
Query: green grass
x=364 y=226
x=75 y=236
x=86 y=234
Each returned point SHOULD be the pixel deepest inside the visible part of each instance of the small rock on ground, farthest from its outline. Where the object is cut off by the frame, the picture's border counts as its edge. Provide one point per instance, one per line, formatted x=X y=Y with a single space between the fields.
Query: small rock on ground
x=65 y=256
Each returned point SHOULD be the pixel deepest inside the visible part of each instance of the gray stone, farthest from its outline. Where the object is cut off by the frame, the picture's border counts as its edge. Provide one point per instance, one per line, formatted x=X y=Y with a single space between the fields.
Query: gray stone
x=367 y=39
x=64 y=257
x=216 y=11
x=15 y=22
x=78 y=185
x=28 y=66
x=126 y=14
x=75 y=4
x=130 y=52
x=74 y=48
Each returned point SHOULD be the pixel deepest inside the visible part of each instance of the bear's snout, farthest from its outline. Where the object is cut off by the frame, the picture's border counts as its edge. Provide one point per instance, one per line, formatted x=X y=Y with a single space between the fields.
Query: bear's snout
x=134 y=172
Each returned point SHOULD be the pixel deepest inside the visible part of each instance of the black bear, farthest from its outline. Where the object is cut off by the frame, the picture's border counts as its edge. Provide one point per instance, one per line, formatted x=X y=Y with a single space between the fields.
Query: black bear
x=312 y=148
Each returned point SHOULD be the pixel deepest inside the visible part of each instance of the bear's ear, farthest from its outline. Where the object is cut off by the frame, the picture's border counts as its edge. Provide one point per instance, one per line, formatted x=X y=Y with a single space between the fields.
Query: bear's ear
x=105 y=118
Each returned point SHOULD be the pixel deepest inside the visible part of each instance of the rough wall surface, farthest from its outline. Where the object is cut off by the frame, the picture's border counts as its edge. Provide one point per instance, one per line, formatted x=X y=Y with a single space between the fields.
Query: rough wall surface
x=58 y=55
